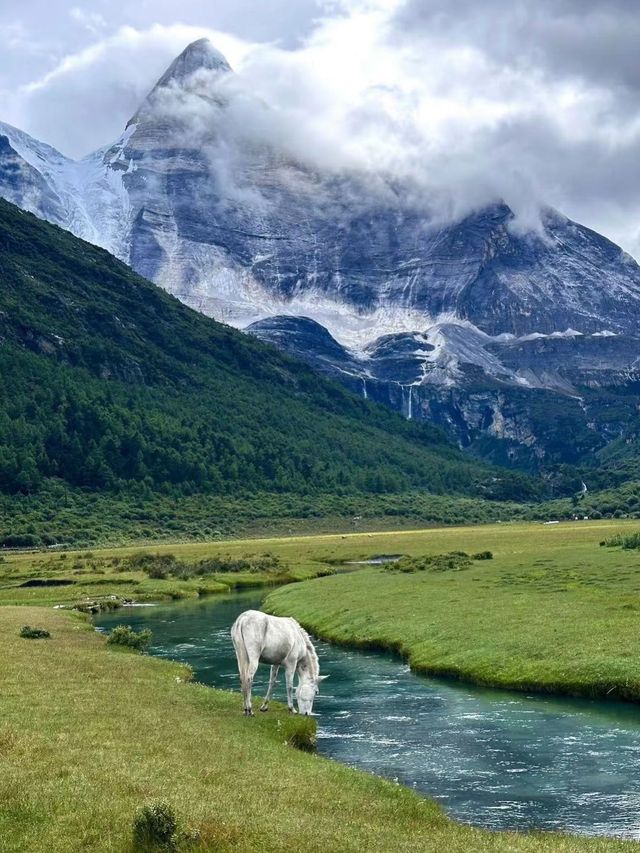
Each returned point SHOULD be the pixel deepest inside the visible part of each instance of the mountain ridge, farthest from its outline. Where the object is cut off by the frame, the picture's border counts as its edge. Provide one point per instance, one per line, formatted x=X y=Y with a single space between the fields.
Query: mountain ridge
x=420 y=308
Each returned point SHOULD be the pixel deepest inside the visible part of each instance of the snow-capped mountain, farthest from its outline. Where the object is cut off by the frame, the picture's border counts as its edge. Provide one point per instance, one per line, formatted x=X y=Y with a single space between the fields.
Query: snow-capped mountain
x=451 y=321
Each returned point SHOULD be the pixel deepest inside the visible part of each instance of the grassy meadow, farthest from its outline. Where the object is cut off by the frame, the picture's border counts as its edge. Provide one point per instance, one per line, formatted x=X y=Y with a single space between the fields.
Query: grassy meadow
x=69 y=577
x=89 y=734
x=552 y=611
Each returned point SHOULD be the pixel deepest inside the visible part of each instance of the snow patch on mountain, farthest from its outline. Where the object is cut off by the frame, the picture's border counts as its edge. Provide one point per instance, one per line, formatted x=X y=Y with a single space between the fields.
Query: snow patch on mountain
x=93 y=203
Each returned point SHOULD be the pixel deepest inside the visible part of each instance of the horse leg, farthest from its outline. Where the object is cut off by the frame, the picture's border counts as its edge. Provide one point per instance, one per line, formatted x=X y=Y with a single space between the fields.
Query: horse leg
x=273 y=674
x=289 y=673
x=246 y=669
x=247 y=683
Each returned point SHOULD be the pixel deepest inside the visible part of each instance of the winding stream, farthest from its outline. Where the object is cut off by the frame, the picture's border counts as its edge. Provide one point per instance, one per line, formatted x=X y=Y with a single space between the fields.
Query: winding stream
x=494 y=759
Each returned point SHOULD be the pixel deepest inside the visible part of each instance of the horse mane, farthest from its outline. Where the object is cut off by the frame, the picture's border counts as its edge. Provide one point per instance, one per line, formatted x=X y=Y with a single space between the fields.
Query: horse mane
x=312 y=655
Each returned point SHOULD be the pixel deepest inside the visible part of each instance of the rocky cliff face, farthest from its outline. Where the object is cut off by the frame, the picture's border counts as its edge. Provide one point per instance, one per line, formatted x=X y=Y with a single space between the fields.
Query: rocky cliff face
x=531 y=401
x=472 y=323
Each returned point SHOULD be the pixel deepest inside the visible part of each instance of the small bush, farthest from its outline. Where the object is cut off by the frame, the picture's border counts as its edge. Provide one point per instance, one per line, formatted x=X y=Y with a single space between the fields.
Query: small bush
x=630 y=542
x=29 y=633
x=124 y=635
x=157 y=573
x=156 y=566
x=299 y=732
x=155 y=827
x=483 y=555
x=454 y=561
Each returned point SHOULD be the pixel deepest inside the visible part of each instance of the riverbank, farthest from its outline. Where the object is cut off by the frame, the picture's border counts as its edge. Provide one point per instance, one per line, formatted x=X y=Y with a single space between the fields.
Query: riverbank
x=551 y=612
x=89 y=734
x=492 y=759
x=86 y=573
x=167 y=572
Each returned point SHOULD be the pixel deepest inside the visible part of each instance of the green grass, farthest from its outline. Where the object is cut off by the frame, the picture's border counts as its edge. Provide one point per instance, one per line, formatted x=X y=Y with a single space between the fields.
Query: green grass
x=89 y=734
x=552 y=611
x=101 y=573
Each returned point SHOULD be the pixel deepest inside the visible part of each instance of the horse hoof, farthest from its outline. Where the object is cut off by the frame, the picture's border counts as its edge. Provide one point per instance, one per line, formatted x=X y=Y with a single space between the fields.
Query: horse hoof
x=264 y=708
x=292 y=711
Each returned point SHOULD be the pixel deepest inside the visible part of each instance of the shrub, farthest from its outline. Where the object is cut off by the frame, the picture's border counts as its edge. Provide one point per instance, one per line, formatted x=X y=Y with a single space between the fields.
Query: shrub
x=300 y=732
x=483 y=555
x=157 y=573
x=157 y=566
x=630 y=542
x=20 y=540
x=124 y=635
x=154 y=828
x=454 y=561
x=29 y=633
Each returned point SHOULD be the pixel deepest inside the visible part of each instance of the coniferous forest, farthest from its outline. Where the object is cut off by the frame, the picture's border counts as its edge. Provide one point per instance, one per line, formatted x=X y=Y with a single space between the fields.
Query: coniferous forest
x=112 y=386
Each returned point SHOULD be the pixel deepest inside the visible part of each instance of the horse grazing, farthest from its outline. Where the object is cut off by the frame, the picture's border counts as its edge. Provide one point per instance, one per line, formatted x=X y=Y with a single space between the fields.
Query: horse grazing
x=279 y=641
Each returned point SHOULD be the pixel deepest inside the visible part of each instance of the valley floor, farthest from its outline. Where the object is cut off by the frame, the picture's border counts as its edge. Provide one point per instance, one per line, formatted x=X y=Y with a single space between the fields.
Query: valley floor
x=89 y=734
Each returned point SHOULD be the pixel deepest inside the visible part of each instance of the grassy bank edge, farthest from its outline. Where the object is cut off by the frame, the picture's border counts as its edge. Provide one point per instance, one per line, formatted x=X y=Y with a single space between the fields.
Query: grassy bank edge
x=458 y=675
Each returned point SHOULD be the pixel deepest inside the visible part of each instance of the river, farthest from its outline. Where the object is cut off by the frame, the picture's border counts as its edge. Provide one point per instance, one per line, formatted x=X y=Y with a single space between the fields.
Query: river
x=491 y=758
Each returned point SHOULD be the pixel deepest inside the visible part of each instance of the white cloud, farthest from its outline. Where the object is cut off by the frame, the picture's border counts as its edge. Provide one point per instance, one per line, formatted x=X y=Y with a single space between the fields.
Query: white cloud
x=465 y=125
x=94 y=22
x=87 y=98
x=467 y=101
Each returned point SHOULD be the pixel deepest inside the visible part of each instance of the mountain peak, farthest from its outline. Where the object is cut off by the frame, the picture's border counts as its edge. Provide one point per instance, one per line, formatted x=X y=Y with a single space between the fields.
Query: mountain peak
x=199 y=55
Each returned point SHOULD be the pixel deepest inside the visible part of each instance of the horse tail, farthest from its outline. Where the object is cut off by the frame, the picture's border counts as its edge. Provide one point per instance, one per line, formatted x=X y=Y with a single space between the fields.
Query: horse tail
x=240 y=648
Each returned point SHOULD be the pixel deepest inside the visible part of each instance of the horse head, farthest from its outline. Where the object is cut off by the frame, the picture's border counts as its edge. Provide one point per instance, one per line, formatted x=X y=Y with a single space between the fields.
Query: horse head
x=306 y=692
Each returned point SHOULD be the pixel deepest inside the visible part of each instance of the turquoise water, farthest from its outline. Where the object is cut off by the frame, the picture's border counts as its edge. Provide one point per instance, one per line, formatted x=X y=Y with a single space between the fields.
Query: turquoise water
x=494 y=759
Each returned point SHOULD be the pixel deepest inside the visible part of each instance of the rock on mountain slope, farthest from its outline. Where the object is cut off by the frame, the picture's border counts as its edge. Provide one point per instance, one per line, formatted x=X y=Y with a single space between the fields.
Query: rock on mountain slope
x=471 y=323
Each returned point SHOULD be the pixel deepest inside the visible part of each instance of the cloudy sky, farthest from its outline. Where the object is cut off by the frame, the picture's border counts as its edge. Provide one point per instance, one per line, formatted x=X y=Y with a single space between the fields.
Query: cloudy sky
x=475 y=99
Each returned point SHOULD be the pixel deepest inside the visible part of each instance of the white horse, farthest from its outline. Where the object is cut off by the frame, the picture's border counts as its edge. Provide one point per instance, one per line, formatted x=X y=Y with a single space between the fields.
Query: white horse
x=279 y=641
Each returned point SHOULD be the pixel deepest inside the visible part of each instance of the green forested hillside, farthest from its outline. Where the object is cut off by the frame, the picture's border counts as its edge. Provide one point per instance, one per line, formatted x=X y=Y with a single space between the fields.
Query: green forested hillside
x=109 y=383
